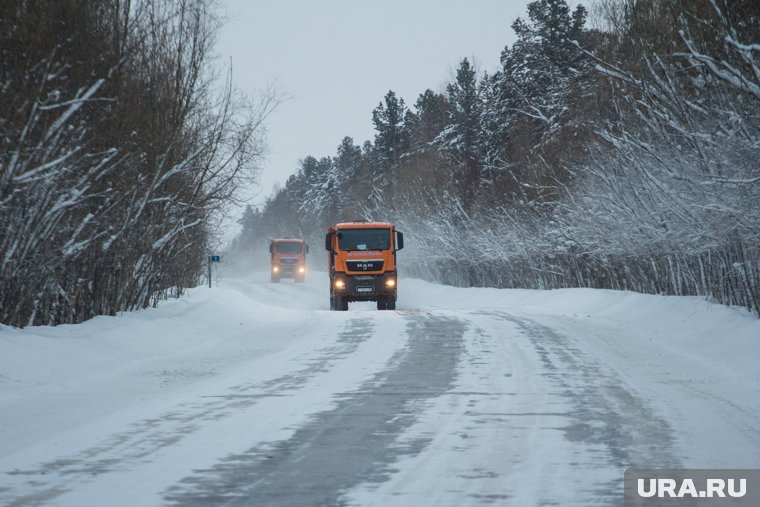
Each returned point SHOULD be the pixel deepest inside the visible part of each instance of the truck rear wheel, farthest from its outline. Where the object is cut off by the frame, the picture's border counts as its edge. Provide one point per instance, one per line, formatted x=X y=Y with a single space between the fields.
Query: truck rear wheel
x=382 y=303
x=391 y=303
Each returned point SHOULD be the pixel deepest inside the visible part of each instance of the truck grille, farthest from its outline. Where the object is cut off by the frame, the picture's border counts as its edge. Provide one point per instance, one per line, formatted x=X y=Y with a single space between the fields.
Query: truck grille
x=288 y=260
x=365 y=265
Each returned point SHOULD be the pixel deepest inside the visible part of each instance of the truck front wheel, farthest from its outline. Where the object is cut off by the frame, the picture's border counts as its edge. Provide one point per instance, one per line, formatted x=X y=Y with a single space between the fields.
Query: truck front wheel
x=339 y=303
x=386 y=303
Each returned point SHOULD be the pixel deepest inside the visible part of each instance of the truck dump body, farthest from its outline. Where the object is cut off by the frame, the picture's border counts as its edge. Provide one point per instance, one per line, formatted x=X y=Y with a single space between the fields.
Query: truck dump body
x=362 y=263
x=288 y=259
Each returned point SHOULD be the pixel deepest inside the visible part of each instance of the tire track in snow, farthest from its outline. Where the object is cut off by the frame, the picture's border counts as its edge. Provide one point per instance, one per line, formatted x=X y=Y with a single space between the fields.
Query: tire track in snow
x=603 y=411
x=550 y=425
x=348 y=445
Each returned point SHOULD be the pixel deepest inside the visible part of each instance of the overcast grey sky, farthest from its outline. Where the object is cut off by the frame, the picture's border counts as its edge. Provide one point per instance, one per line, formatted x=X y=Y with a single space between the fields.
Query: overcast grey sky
x=338 y=59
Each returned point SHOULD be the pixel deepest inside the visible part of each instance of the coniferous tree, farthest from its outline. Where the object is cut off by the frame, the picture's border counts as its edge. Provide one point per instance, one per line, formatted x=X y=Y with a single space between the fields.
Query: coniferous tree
x=426 y=165
x=460 y=140
x=353 y=185
x=538 y=72
x=392 y=137
x=430 y=118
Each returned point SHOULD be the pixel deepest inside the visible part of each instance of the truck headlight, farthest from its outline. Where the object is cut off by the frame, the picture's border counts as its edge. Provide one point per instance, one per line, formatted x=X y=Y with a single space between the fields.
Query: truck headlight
x=390 y=282
x=302 y=269
x=339 y=284
x=275 y=269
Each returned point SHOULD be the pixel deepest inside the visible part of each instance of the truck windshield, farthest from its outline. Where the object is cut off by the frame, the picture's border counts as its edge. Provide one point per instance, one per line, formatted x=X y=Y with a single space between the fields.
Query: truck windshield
x=288 y=248
x=364 y=239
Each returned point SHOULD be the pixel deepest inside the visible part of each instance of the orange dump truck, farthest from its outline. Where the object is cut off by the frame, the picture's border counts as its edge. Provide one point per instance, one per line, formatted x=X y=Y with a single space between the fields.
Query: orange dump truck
x=362 y=263
x=288 y=259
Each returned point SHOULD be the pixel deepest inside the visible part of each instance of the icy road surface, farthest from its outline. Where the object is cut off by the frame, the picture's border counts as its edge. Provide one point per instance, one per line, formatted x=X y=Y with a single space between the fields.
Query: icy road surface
x=255 y=394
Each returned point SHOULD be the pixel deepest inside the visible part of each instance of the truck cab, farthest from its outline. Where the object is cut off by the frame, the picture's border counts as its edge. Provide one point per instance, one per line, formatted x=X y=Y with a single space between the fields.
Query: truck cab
x=288 y=259
x=361 y=260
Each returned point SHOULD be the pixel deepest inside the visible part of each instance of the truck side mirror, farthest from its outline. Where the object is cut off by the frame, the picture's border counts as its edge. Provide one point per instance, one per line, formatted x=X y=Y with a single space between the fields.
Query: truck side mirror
x=328 y=239
x=271 y=247
x=399 y=240
x=307 y=248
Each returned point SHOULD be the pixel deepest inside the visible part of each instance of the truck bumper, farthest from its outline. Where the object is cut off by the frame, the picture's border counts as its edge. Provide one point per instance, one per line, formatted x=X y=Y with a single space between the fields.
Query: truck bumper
x=288 y=271
x=367 y=287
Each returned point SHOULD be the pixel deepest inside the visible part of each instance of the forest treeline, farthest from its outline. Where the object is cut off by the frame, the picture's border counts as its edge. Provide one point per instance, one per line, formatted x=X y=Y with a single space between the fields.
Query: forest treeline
x=119 y=149
x=622 y=154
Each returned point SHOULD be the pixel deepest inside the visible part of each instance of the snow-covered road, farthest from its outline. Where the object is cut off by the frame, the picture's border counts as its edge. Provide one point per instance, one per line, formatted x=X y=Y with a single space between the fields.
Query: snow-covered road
x=253 y=393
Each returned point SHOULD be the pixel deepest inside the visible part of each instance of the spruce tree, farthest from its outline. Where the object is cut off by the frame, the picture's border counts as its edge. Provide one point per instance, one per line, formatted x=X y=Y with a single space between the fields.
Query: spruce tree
x=541 y=72
x=460 y=140
x=392 y=138
x=430 y=118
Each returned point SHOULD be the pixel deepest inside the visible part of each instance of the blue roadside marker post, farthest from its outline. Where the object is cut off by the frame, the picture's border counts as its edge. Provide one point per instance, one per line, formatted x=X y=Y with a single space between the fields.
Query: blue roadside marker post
x=212 y=259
